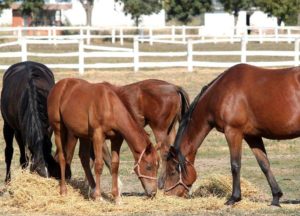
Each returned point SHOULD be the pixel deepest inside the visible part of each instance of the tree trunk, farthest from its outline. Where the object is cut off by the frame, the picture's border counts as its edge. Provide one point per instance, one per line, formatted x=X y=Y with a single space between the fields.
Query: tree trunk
x=88 y=7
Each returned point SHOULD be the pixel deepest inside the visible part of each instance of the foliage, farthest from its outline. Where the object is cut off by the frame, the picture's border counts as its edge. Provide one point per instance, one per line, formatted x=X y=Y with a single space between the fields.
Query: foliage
x=284 y=10
x=183 y=10
x=137 y=8
x=32 y=7
x=236 y=5
x=28 y=7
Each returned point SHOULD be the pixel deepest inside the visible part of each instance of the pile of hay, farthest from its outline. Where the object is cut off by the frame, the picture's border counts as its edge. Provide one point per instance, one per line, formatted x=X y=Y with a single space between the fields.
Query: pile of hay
x=30 y=194
x=221 y=186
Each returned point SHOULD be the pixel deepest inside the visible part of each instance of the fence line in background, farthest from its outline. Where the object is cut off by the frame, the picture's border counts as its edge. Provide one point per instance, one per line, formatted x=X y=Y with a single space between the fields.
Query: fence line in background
x=173 y=33
x=91 y=51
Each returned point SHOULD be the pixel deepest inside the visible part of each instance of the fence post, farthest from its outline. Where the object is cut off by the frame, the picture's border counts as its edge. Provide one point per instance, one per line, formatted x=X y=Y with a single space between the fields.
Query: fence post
x=23 y=50
x=121 y=36
x=150 y=36
x=243 y=50
x=136 y=54
x=190 y=55
x=88 y=35
x=297 y=52
x=81 y=57
x=19 y=34
x=289 y=34
x=183 y=34
x=173 y=33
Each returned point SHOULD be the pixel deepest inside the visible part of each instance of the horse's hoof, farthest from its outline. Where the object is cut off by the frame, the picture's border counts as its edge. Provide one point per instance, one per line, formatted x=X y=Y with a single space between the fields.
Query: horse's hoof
x=118 y=201
x=275 y=204
x=63 y=192
x=95 y=195
x=232 y=201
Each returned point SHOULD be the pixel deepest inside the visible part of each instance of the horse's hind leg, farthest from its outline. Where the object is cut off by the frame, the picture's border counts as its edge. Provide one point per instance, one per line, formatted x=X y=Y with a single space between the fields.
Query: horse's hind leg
x=98 y=140
x=23 y=157
x=8 y=133
x=234 y=139
x=84 y=154
x=257 y=146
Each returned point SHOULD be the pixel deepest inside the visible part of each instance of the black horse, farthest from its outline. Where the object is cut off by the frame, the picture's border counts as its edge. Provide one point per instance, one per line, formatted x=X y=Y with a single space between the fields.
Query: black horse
x=26 y=86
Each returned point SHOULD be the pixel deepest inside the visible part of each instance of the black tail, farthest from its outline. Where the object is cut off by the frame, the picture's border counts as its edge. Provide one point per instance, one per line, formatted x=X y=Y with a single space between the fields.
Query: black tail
x=33 y=114
x=185 y=104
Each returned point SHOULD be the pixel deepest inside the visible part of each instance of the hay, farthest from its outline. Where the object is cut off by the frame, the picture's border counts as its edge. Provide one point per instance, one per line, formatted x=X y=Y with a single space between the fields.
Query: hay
x=221 y=186
x=29 y=194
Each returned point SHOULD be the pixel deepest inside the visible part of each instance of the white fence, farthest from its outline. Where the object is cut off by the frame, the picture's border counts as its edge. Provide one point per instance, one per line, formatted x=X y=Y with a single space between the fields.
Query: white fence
x=91 y=51
x=173 y=33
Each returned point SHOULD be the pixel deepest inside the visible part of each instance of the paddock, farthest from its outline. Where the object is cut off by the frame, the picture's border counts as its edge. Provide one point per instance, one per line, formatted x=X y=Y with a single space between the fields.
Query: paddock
x=32 y=195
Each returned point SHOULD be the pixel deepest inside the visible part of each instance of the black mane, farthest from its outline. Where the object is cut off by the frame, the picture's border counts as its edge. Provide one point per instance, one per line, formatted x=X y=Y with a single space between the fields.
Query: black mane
x=185 y=122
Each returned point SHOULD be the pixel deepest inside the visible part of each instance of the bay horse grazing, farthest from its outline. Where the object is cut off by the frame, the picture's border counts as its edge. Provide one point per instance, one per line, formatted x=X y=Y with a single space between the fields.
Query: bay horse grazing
x=23 y=106
x=158 y=104
x=244 y=102
x=94 y=112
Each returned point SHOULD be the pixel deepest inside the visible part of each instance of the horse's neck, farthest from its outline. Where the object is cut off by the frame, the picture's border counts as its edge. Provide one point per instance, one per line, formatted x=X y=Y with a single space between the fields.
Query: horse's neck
x=195 y=133
x=136 y=137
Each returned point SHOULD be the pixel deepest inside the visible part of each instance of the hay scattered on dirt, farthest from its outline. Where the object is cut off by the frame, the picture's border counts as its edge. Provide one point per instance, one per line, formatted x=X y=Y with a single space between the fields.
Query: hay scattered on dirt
x=29 y=194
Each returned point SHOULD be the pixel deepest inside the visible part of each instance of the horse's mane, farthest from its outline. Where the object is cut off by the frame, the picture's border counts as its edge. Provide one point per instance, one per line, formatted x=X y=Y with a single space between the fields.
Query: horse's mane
x=185 y=122
x=33 y=111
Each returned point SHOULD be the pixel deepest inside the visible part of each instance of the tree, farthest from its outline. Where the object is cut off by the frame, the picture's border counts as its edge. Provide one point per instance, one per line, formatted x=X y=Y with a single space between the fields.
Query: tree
x=137 y=8
x=284 y=10
x=88 y=7
x=183 y=10
x=234 y=6
x=28 y=7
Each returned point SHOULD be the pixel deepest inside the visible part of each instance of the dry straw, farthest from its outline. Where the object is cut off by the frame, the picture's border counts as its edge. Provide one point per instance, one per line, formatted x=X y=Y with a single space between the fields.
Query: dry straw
x=29 y=194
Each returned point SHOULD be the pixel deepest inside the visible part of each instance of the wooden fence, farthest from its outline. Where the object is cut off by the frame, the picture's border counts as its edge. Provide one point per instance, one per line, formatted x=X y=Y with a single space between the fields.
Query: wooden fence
x=86 y=51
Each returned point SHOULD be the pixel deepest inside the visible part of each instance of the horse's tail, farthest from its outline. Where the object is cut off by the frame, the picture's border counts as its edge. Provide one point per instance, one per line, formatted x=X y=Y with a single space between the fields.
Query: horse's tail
x=34 y=117
x=185 y=104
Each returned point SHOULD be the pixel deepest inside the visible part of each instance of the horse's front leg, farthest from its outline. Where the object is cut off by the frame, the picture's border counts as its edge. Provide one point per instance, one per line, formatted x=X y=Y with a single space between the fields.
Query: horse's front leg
x=8 y=133
x=234 y=139
x=116 y=143
x=98 y=141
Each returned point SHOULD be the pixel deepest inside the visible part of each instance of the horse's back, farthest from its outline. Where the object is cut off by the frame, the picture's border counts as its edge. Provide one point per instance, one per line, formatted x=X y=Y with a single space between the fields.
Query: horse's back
x=17 y=80
x=262 y=101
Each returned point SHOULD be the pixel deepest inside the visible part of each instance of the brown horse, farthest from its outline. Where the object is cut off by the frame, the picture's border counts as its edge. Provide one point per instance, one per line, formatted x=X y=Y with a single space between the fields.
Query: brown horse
x=244 y=102
x=93 y=112
x=158 y=104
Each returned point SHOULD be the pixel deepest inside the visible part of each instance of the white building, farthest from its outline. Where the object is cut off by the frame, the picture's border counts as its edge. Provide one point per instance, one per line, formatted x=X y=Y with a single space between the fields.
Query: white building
x=105 y=13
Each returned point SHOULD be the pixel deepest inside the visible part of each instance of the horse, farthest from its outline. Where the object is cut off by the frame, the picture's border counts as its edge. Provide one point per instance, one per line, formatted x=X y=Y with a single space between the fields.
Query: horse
x=156 y=103
x=244 y=102
x=23 y=107
x=92 y=113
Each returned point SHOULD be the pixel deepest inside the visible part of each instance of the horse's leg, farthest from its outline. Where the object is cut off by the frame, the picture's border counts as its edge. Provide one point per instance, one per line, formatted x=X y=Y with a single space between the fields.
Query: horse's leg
x=8 y=133
x=258 y=148
x=70 y=148
x=163 y=145
x=234 y=139
x=23 y=157
x=98 y=140
x=59 y=141
x=107 y=156
x=116 y=144
x=84 y=154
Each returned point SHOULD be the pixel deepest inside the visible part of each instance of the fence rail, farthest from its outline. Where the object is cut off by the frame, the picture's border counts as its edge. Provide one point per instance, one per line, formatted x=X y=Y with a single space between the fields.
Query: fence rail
x=173 y=33
x=92 y=51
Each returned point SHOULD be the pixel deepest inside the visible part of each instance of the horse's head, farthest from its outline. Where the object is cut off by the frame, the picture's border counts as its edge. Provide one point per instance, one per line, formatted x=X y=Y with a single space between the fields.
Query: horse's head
x=38 y=162
x=146 y=169
x=180 y=175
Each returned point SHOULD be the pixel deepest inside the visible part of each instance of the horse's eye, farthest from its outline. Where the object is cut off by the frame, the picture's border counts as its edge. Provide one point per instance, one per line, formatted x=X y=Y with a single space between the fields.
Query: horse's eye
x=173 y=173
